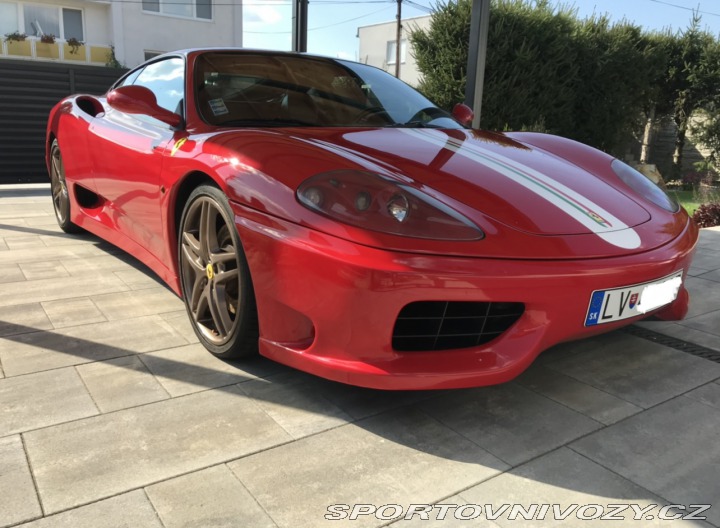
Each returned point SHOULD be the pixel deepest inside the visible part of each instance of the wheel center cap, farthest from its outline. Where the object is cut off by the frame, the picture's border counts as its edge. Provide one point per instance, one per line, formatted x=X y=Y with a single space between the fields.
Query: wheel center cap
x=209 y=271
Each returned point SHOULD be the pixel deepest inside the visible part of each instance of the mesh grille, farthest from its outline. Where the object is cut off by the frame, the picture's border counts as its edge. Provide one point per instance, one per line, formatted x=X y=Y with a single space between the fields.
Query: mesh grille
x=443 y=325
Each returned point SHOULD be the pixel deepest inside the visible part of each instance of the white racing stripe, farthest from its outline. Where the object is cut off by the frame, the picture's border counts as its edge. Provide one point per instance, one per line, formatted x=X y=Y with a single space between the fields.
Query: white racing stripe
x=579 y=207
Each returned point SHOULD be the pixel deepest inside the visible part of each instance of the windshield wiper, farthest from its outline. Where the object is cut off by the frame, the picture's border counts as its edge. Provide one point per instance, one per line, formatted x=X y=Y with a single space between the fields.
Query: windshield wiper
x=414 y=124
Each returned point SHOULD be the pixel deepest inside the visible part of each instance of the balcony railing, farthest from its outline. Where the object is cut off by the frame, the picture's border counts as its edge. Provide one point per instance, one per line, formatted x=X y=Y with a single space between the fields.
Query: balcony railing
x=60 y=50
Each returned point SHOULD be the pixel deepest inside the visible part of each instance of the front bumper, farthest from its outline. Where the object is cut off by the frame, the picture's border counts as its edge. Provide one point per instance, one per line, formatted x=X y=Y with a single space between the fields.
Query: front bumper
x=327 y=306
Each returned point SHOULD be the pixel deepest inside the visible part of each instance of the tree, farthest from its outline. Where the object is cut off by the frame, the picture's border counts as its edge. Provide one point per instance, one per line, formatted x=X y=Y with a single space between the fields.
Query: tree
x=588 y=80
x=692 y=82
x=443 y=50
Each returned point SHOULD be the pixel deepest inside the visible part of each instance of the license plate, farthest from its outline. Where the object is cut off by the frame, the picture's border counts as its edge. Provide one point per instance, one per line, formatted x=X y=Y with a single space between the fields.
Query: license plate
x=607 y=306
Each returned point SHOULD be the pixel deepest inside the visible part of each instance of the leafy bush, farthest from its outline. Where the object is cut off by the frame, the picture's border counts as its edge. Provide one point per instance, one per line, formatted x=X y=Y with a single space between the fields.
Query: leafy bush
x=589 y=80
x=707 y=215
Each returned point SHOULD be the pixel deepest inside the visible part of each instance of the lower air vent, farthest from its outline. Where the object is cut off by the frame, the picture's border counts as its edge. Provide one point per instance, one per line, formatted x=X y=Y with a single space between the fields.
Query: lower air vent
x=442 y=325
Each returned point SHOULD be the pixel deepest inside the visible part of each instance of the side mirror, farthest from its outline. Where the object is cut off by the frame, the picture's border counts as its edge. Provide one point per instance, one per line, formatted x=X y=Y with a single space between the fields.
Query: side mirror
x=463 y=114
x=140 y=100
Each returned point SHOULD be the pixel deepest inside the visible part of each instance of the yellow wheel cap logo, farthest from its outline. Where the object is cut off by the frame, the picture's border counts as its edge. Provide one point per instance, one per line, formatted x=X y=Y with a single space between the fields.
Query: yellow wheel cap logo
x=209 y=271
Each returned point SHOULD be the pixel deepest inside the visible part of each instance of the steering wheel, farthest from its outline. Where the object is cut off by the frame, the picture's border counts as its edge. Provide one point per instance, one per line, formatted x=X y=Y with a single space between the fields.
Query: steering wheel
x=367 y=113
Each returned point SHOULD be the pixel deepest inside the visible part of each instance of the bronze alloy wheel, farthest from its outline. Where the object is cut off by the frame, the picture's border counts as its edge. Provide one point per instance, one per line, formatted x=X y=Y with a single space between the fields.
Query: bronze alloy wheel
x=215 y=278
x=59 y=190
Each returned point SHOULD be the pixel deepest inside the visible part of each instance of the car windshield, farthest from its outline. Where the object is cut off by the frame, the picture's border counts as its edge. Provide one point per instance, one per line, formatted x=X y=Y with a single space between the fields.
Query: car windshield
x=264 y=90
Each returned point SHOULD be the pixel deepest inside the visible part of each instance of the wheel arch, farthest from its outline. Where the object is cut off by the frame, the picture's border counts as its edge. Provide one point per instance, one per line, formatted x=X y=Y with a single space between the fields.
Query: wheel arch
x=177 y=199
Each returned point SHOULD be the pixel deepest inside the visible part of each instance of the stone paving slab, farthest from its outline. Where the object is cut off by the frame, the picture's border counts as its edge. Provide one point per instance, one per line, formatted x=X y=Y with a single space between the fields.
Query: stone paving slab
x=310 y=413
x=189 y=369
x=629 y=368
x=713 y=275
x=180 y=322
x=581 y=397
x=128 y=304
x=40 y=290
x=121 y=383
x=23 y=319
x=38 y=351
x=683 y=333
x=11 y=273
x=213 y=497
x=87 y=460
x=72 y=312
x=671 y=450
x=74 y=251
x=708 y=322
x=401 y=457
x=130 y=510
x=18 y=502
x=493 y=416
x=42 y=399
x=50 y=269
x=572 y=482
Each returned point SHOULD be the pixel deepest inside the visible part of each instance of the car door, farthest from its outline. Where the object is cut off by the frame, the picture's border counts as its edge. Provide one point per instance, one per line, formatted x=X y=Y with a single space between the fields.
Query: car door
x=129 y=151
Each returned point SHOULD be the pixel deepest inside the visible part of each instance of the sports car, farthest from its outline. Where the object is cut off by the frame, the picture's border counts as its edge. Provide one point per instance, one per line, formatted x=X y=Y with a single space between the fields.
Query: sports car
x=328 y=216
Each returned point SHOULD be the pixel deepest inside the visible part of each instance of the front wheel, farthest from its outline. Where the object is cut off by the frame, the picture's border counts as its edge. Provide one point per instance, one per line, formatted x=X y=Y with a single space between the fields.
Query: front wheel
x=59 y=190
x=215 y=278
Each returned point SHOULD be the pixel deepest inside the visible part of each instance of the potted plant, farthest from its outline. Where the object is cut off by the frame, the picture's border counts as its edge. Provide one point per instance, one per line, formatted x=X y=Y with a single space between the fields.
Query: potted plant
x=74 y=45
x=17 y=44
x=74 y=49
x=46 y=47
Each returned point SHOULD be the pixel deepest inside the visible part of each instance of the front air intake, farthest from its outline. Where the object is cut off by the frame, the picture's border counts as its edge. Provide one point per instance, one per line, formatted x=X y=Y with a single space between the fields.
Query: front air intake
x=445 y=325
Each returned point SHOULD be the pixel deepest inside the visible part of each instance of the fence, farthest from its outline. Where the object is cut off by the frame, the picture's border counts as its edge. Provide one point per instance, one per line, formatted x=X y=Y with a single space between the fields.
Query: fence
x=28 y=90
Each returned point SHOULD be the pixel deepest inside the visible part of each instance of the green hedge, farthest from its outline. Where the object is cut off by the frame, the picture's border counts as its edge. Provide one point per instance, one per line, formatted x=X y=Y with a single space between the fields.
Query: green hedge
x=589 y=80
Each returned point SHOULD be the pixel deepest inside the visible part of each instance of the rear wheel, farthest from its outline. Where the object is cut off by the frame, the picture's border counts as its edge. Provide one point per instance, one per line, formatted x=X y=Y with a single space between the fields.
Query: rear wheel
x=59 y=190
x=214 y=276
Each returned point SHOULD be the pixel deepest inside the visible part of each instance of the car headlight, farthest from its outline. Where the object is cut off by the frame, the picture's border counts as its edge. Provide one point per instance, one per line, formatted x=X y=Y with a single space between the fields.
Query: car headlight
x=644 y=187
x=370 y=201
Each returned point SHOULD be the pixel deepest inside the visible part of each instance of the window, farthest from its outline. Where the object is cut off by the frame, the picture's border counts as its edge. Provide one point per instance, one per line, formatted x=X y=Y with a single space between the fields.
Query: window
x=182 y=8
x=41 y=20
x=62 y=22
x=166 y=79
x=392 y=51
x=72 y=24
x=152 y=54
x=8 y=18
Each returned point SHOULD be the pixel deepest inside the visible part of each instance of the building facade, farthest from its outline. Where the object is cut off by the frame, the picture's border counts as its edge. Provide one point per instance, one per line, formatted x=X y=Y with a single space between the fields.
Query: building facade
x=378 y=46
x=89 y=31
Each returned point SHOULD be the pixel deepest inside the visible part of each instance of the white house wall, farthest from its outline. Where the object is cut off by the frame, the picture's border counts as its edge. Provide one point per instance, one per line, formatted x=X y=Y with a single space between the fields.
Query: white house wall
x=138 y=31
x=97 y=22
x=374 y=41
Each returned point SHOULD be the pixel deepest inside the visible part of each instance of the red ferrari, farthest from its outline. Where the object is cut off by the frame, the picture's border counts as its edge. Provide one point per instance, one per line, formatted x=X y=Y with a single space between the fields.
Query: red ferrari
x=331 y=217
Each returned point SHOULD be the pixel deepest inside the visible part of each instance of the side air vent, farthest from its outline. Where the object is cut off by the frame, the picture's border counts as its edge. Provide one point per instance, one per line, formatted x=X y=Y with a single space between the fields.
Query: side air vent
x=445 y=325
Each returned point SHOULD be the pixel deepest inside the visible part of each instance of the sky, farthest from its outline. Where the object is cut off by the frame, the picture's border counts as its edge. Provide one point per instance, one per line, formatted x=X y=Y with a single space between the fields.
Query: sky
x=333 y=24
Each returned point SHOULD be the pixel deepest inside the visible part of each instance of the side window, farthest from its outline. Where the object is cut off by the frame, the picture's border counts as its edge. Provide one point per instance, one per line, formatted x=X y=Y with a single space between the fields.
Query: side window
x=130 y=79
x=166 y=79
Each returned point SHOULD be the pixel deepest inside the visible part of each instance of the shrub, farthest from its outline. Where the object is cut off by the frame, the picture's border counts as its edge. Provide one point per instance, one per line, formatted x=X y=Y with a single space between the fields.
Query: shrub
x=707 y=215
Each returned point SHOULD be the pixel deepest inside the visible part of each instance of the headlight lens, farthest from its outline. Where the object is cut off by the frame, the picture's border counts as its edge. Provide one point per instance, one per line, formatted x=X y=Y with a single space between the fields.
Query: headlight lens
x=369 y=201
x=643 y=186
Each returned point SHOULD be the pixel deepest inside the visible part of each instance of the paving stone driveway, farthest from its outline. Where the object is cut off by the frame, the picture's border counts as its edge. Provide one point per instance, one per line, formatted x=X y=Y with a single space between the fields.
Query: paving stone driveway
x=111 y=413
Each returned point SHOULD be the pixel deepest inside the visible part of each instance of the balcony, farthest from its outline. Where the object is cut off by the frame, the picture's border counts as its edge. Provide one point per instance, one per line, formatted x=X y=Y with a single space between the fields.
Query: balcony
x=33 y=48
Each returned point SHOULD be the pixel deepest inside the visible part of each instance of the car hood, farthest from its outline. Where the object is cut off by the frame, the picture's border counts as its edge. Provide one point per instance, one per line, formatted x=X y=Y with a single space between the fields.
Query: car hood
x=530 y=202
x=520 y=186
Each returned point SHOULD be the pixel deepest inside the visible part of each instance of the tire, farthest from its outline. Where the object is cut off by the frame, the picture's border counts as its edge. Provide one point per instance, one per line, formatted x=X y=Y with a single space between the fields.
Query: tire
x=214 y=276
x=59 y=191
